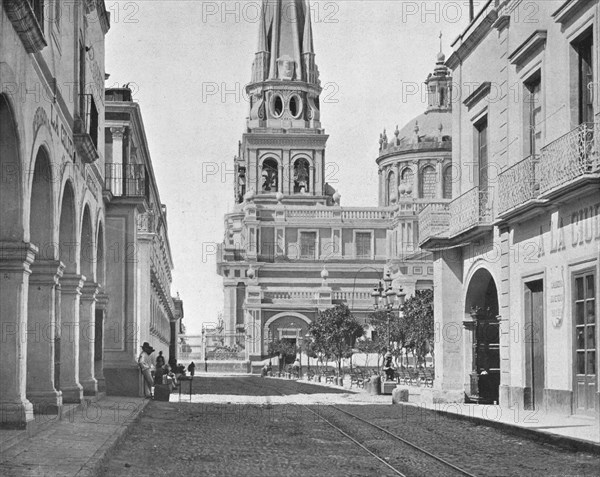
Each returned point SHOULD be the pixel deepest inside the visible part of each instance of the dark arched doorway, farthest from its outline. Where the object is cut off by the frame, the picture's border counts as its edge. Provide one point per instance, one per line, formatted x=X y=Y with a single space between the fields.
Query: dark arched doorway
x=482 y=324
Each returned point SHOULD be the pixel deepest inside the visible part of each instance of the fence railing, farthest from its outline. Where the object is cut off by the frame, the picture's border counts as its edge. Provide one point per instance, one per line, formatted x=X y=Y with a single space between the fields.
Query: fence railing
x=518 y=184
x=126 y=180
x=569 y=157
x=434 y=221
x=474 y=207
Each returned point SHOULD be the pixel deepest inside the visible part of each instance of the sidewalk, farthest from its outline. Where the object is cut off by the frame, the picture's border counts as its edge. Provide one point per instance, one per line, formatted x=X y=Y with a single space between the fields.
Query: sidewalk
x=73 y=445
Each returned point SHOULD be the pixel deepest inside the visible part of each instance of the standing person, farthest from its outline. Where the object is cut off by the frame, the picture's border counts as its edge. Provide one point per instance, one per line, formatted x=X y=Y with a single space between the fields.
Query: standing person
x=192 y=369
x=145 y=364
x=160 y=360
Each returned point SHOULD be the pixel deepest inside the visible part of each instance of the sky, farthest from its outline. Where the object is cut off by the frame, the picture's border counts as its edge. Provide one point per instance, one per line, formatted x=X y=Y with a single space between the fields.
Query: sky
x=187 y=62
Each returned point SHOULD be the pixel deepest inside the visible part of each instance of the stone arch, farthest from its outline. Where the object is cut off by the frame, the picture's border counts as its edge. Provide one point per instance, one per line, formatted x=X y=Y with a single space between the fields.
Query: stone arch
x=390 y=188
x=447 y=180
x=483 y=336
x=100 y=254
x=87 y=249
x=11 y=192
x=67 y=241
x=41 y=206
x=287 y=313
x=270 y=180
x=406 y=182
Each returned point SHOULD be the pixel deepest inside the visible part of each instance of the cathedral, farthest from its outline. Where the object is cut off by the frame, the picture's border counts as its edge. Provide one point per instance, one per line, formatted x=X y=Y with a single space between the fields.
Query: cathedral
x=290 y=249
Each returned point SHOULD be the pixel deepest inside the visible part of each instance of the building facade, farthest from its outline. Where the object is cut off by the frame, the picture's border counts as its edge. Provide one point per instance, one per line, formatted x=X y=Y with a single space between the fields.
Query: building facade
x=52 y=216
x=138 y=254
x=520 y=243
x=290 y=249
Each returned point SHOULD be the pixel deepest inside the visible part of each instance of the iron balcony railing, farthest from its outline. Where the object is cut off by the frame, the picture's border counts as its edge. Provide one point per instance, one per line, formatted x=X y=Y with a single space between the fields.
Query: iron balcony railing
x=573 y=155
x=126 y=180
x=474 y=207
x=518 y=184
x=434 y=221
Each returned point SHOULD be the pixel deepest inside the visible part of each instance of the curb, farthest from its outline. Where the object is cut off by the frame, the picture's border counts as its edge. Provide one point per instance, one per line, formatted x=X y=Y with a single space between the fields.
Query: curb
x=569 y=443
x=93 y=466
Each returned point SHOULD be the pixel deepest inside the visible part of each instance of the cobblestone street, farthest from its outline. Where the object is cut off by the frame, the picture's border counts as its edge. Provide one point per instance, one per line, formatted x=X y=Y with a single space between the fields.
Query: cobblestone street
x=264 y=439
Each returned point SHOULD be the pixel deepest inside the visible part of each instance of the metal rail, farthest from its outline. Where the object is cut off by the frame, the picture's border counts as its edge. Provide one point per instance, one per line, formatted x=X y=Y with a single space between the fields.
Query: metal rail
x=394 y=436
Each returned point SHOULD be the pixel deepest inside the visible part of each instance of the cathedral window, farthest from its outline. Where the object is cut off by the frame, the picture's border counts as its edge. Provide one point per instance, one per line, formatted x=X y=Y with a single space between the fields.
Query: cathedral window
x=406 y=182
x=301 y=176
x=447 y=185
x=295 y=106
x=391 y=188
x=308 y=245
x=277 y=106
x=363 y=245
x=428 y=182
x=270 y=175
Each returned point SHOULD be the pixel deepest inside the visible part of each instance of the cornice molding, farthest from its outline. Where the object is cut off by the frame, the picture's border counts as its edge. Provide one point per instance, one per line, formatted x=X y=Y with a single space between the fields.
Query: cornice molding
x=536 y=41
x=481 y=92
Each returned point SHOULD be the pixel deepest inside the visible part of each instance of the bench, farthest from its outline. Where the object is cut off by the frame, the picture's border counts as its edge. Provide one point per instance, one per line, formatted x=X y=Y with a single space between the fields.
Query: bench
x=329 y=377
x=357 y=378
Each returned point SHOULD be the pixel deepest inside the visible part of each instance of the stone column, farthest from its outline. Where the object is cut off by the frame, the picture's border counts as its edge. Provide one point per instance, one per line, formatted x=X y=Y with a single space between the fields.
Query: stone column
x=15 y=258
x=71 y=285
x=440 y=180
x=311 y=180
x=101 y=304
x=42 y=391
x=87 y=338
x=116 y=183
x=280 y=181
x=416 y=176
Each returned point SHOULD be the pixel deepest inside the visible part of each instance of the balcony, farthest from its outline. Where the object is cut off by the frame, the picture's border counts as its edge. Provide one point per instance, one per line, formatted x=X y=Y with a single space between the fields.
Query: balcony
x=572 y=156
x=126 y=180
x=518 y=185
x=86 y=129
x=472 y=209
x=434 y=222
x=338 y=214
x=27 y=17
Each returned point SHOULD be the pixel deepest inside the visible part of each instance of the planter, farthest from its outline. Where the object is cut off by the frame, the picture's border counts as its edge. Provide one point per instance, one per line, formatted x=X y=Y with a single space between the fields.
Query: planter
x=373 y=385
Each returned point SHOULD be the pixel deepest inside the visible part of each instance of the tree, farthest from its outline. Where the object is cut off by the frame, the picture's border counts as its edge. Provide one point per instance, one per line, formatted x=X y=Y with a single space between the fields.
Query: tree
x=334 y=333
x=397 y=327
x=418 y=316
x=282 y=348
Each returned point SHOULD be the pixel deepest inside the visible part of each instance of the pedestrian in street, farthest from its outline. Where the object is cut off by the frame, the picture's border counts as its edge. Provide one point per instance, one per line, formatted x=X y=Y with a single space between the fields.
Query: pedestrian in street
x=160 y=360
x=296 y=367
x=145 y=364
x=192 y=369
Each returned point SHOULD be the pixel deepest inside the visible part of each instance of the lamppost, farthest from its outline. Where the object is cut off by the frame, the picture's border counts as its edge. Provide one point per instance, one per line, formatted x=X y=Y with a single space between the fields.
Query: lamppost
x=384 y=299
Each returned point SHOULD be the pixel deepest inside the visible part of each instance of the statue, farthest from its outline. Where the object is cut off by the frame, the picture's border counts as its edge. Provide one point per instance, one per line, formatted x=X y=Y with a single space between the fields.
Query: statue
x=388 y=368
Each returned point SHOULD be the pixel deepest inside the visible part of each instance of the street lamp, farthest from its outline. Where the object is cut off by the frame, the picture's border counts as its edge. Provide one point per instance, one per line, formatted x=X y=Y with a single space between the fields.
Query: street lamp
x=384 y=299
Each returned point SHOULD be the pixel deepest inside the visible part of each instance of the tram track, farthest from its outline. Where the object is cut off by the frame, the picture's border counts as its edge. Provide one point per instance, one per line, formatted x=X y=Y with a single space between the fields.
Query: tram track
x=408 y=459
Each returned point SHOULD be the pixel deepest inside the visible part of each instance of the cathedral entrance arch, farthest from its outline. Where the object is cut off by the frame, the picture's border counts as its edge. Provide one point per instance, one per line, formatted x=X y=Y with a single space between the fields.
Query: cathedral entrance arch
x=289 y=327
x=483 y=336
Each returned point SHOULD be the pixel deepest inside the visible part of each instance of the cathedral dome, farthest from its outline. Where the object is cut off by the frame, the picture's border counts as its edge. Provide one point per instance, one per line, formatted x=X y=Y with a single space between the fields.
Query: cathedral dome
x=429 y=127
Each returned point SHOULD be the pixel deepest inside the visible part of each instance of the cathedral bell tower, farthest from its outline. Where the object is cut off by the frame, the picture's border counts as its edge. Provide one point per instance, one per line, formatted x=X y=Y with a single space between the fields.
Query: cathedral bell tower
x=282 y=154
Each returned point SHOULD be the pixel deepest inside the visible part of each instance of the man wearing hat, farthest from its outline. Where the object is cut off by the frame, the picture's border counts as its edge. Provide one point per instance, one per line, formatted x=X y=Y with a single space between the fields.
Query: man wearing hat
x=145 y=364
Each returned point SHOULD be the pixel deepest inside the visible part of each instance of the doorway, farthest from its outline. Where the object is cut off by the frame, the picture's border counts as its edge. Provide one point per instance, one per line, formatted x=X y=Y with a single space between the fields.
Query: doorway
x=534 y=344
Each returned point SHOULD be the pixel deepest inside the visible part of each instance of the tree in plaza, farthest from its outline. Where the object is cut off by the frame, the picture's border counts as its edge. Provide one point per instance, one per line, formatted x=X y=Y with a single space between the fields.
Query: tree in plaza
x=368 y=346
x=335 y=332
x=309 y=348
x=282 y=348
x=417 y=314
x=397 y=332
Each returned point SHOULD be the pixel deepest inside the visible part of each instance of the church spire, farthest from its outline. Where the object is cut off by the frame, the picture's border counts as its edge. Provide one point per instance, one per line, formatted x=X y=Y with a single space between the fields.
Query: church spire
x=285 y=54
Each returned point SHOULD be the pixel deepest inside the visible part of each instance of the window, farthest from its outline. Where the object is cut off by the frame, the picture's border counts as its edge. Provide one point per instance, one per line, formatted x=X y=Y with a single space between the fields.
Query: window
x=447 y=185
x=362 y=242
x=270 y=176
x=584 y=48
x=533 y=110
x=428 y=182
x=308 y=245
x=482 y=152
x=585 y=324
x=406 y=182
x=391 y=188
x=301 y=176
